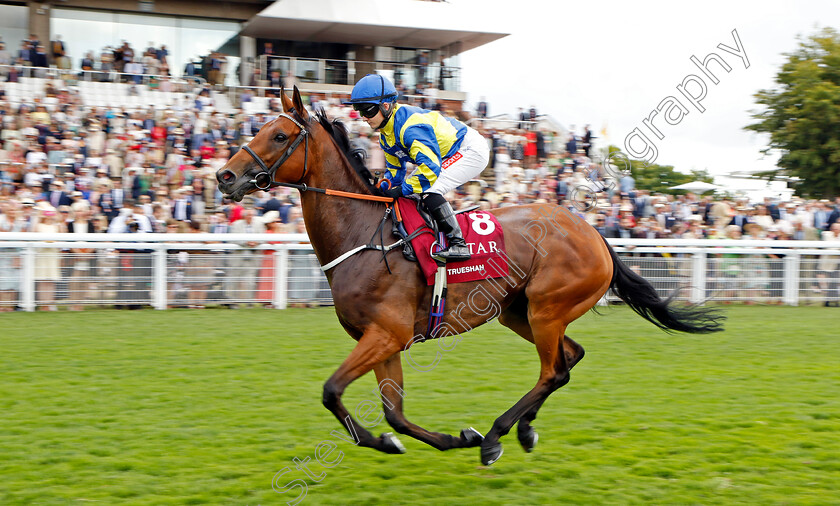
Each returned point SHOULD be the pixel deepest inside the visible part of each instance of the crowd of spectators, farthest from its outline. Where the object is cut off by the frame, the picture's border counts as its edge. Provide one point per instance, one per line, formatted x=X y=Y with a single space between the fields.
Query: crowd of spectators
x=118 y=63
x=69 y=167
x=59 y=155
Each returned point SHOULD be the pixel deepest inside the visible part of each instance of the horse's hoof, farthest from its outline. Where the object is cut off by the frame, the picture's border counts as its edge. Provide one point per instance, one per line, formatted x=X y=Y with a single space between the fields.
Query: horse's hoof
x=528 y=439
x=490 y=454
x=390 y=444
x=471 y=437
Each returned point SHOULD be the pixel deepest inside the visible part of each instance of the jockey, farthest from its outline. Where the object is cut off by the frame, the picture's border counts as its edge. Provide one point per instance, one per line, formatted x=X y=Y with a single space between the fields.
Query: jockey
x=447 y=154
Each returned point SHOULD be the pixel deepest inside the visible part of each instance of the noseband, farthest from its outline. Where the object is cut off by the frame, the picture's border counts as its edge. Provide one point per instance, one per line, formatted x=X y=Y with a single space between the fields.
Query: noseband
x=265 y=179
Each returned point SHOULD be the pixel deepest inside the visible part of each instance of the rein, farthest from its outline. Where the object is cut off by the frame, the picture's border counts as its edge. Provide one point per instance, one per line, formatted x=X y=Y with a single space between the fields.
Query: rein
x=265 y=179
x=328 y=191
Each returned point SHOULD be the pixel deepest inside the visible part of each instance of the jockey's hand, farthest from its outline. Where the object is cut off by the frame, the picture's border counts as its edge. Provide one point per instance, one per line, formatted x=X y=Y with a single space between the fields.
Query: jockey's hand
x=385 y=188
x=393 y=192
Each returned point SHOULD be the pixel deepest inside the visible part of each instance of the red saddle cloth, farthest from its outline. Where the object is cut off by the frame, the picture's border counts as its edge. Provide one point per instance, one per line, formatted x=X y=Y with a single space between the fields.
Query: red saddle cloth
x=483 y=234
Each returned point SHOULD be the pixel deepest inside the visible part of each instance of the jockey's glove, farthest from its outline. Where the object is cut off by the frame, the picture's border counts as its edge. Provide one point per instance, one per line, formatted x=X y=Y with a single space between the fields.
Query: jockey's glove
x=385 y=188
x=393 y=192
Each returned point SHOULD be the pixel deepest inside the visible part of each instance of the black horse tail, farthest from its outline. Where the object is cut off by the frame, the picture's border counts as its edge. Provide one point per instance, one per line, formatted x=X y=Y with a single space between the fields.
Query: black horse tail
x=641 y=296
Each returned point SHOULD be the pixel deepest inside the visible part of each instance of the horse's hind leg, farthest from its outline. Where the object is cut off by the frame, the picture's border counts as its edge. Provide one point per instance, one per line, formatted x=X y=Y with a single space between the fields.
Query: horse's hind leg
x=518 y=322
x=547 y=332
x=390 y=380
x=524 y=431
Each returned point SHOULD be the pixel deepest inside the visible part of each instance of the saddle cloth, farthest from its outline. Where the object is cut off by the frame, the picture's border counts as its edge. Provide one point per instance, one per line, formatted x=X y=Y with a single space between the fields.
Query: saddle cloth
x=483 y=234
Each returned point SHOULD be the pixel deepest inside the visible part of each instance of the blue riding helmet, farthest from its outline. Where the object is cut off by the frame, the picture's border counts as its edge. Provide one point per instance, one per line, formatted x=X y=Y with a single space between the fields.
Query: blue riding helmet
x=372 y=89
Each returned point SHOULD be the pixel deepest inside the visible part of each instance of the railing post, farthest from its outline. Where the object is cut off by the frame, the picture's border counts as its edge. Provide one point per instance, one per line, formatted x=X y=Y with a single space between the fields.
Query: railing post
x=159 y=285
x=281 y=277
x=697 y=293
x=791 y=286
x=322 y=71
x=27 y=279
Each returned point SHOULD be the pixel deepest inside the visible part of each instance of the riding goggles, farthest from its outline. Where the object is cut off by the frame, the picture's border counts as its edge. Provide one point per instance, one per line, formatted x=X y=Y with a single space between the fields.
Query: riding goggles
x=367 y=110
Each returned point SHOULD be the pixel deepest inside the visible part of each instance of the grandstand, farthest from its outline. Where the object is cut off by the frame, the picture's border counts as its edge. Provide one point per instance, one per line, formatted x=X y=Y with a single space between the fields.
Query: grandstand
x=158 y=164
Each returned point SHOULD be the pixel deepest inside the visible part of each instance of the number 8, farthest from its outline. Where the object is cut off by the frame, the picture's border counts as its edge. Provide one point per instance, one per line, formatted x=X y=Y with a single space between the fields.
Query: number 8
x=481 y=223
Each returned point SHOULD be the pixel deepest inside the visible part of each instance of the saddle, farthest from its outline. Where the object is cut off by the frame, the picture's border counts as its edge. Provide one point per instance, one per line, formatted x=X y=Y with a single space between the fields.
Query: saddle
x=437 y=272
x=398 y=228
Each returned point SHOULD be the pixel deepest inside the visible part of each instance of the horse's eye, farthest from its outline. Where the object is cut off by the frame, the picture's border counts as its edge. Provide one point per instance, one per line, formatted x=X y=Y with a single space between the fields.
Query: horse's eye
x=280 y=137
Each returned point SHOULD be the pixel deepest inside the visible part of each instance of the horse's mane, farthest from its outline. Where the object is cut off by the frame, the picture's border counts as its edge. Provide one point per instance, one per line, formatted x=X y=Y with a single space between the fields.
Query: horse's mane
x=356 y=157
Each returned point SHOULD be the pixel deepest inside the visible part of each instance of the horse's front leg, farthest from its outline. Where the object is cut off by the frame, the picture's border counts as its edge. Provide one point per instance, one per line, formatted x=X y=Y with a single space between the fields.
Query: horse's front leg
x=373 y=348
x=389 y=377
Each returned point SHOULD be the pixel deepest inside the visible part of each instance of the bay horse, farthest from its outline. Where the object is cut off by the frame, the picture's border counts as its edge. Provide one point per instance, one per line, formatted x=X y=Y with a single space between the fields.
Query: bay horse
x=558 y=279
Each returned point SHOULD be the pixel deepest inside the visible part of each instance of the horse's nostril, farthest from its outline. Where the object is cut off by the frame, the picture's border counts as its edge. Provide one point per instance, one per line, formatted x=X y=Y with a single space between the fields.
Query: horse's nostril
x=227 y=176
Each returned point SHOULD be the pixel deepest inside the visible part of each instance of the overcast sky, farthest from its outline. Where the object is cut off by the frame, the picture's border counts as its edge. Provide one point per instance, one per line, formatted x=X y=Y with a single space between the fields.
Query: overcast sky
x=610 y=63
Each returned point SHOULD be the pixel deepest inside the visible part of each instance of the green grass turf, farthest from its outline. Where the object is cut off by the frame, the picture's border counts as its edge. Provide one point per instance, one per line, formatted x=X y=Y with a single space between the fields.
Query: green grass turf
x=204 y=407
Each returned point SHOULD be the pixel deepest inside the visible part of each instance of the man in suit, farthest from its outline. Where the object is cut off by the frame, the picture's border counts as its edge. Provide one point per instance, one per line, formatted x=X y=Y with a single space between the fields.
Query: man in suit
x=272 y=203
x=34 y=41
x=182 y=206
x=640 y=202
x=587 y=140
x=120 y=194
x=132 y=183
x=772 y=208
x=106 y=201
x=834 y=215
x=219 y=223
x=601 y=224
x=148 y=122
x=522 y=116
x=25 y=53
x=276 y=80
x=740 y=218
x=57 y=196
x=571 y=144
x=39 y=59
x=481 y=110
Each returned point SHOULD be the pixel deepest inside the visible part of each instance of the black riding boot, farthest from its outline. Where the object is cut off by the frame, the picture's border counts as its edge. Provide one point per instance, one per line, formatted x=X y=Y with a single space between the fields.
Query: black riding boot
x=447 y=223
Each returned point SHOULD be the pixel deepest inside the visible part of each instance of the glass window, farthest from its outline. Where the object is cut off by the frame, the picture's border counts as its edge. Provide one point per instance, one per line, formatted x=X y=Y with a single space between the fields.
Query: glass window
x=14 y=26
x=185 y=38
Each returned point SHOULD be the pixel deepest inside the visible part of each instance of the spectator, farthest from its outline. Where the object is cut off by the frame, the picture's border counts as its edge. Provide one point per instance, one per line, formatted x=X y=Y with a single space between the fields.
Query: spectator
x=481 y=110
x=59 y=53
x=25 y=53
x=47 y=262
x=828 y=270
x=501 y=167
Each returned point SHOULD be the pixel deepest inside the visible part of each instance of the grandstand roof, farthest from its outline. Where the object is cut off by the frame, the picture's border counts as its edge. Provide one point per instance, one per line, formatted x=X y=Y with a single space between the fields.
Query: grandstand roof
x=400 y=23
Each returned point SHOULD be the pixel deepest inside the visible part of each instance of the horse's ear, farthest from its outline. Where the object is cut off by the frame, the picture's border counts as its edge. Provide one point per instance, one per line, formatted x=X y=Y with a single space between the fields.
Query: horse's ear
x=287 y=102
x=298 y=103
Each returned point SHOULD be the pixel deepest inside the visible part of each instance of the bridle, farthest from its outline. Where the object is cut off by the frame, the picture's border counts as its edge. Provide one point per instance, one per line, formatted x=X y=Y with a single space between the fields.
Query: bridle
x=265 y=179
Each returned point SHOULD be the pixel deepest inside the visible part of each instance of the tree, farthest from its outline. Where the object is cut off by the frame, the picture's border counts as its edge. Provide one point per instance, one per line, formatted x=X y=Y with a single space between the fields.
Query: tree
x=802 y=116
x=658 y=178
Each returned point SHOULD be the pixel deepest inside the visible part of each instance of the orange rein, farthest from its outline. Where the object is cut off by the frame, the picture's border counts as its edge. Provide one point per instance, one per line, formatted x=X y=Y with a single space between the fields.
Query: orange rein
x=358 y=196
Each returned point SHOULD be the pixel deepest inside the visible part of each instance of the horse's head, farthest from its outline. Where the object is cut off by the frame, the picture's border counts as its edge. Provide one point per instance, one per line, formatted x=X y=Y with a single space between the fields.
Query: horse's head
x=278 y=153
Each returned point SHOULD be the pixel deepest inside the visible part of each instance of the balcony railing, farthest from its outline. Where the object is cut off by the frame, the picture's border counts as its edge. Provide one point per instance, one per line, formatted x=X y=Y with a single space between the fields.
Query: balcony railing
x=73 y=76
x=347 y=72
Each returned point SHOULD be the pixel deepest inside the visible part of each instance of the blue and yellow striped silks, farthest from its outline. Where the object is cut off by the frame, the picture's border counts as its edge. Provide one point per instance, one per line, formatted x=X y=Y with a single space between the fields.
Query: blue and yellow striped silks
x=425 y=138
